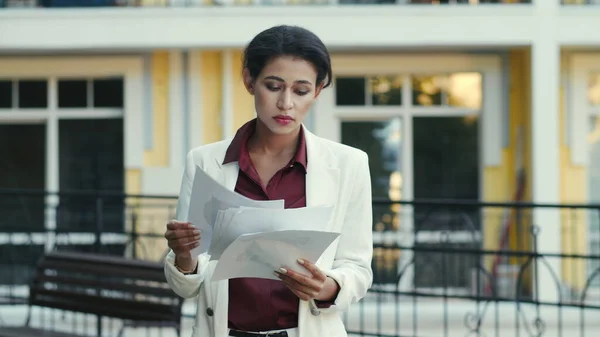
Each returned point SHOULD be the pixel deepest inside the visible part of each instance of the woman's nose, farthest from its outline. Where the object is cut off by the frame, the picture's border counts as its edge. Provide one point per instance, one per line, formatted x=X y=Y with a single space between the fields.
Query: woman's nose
x=285 y=101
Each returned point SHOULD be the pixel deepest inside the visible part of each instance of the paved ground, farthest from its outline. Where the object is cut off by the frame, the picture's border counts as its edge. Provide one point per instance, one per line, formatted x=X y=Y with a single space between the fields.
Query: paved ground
x=425 y=319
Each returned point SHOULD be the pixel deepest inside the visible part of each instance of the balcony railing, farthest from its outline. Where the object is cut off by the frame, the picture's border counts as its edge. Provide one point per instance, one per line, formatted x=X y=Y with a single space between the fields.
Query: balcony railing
x=200 y=3
x=440 y=267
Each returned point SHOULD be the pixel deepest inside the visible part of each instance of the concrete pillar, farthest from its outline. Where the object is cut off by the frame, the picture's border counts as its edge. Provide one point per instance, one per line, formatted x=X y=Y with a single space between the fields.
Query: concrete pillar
x=545 y=142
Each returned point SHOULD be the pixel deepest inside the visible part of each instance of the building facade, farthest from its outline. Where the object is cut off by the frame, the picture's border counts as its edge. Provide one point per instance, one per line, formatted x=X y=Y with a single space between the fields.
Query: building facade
x=451 y=101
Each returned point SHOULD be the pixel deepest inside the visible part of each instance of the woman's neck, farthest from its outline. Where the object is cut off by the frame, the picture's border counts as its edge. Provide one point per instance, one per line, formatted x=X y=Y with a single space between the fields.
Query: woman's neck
x=266 y=142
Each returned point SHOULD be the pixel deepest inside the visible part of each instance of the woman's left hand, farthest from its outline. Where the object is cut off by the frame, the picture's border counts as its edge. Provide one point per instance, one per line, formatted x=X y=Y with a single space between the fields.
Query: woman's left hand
x=314 y=286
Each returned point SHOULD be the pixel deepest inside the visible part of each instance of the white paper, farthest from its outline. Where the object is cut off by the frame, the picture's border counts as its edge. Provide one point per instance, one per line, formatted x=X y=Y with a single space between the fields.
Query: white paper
x=208 y=197
x=258 y=255
x=233 y=223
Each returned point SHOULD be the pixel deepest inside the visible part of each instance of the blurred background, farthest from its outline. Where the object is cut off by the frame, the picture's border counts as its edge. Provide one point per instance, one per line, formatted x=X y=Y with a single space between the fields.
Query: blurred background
x=481 y=119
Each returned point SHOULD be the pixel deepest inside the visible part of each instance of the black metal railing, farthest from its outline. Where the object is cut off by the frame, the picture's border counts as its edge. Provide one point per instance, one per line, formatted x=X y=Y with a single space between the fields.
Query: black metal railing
x=441 y=267
x=207 y=3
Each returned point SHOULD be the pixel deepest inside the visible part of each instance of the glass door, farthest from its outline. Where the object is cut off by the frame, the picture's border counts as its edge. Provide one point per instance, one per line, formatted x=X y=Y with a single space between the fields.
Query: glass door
x=23 y=153
x=23 y=132
x=382 y=140
x=445 y=167
x=91 y=159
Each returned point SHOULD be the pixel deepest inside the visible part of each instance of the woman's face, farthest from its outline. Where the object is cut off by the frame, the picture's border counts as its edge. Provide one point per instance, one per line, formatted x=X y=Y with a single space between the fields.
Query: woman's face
x=283 y=93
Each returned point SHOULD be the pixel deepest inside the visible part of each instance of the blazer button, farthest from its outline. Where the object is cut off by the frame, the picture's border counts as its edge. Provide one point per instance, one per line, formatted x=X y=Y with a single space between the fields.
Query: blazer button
x=209 y=312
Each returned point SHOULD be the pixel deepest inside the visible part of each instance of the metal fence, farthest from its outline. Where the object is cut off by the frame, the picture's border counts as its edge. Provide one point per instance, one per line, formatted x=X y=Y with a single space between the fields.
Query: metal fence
x=441 y=268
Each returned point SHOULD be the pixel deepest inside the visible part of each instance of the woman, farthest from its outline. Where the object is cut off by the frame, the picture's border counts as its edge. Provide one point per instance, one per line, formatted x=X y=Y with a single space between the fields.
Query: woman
x=274 y=157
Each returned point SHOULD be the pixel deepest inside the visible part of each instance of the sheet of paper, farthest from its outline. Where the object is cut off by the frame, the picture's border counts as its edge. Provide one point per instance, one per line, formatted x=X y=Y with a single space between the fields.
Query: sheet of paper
x=258 y=255
x=208 y=197
x=244 y=220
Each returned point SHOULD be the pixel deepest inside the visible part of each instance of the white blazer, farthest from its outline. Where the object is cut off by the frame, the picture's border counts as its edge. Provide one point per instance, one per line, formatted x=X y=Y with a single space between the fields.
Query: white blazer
x=337 y=175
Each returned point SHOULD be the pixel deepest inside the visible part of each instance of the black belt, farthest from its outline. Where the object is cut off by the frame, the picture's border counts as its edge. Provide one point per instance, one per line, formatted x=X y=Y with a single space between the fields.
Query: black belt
x=236 y=333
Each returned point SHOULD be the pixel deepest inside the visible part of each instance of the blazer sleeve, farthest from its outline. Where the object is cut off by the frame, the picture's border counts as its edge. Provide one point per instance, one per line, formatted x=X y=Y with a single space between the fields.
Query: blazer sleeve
x=352 y=263
x=186 y=286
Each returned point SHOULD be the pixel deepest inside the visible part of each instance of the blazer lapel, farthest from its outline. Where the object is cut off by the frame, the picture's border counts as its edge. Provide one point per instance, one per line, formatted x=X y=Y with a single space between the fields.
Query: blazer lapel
x=227 y=174
x=322 y=178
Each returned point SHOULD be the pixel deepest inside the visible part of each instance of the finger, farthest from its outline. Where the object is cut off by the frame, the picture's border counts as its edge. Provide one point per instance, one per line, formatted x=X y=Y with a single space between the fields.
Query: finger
x=301 y=282
x=187 y=240
x=181 y=233
x=307 y=279
x=315 y=271
x=175 y=225
x=301 y=292
x=301 y=295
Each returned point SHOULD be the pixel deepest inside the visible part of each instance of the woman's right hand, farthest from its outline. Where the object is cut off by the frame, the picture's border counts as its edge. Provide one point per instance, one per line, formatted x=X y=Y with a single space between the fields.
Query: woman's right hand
x=182 y=237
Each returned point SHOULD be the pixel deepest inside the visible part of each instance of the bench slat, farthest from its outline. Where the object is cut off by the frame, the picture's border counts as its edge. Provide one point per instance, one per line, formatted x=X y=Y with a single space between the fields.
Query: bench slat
x=122 y=308
x=99 y=259
x=103 y=283
x=31 y=332
x=106 y=270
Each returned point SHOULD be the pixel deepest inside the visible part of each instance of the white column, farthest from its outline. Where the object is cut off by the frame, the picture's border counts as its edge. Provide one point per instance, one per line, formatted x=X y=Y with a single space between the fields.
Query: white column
x=52 y=164
x=194 y=77
x=545 y=142
x=176 y=107
x=227 y=95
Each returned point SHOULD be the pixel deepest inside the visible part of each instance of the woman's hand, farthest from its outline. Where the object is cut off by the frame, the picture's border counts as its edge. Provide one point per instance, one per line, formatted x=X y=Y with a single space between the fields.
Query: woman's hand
x=314 y=286
x=182 y=237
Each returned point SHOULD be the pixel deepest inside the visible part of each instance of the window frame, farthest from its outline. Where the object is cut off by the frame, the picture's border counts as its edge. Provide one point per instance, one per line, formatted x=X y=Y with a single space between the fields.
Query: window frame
x=493 y=117
x=52 y=69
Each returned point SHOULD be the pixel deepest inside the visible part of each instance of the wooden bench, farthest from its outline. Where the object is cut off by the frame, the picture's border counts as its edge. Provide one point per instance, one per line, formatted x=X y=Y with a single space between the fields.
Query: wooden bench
x=132 y=291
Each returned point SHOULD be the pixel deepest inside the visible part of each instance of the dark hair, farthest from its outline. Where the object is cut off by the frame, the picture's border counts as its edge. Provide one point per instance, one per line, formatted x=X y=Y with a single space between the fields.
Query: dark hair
x=288 y=41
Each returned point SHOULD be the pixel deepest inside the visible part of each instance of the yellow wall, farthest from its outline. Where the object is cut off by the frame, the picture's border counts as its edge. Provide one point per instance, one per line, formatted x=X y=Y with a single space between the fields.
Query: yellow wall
x=133 y=181
x=212 y=82
x=159 y=155
x=500 y=182
x=243 y=102
x=520 y=138
x=133 y=186
x=573 y=179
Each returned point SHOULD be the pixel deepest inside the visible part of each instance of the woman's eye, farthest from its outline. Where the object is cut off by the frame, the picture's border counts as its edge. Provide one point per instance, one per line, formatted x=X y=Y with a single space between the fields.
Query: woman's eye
x=273 y=87
x=301 y=93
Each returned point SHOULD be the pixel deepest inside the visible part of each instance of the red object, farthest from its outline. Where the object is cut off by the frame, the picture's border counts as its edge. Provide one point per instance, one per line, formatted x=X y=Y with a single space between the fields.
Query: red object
x=508 y=224
x=283 y=119
x=261 y=304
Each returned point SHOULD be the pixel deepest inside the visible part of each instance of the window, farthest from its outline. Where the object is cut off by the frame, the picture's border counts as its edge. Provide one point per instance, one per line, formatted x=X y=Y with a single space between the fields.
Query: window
x=6 y=94
x=461 y=90
x=375 y=90
x=72 y=93
x=70 y=137
x=24 y=94
x=404 y=121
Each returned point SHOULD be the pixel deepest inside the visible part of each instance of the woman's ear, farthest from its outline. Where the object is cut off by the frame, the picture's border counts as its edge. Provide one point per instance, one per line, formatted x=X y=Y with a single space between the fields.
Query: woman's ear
x=318 y=89
x=248 y=81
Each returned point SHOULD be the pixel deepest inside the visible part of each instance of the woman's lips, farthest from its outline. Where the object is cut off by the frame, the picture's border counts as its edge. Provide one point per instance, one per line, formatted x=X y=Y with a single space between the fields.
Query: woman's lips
x=283 y=120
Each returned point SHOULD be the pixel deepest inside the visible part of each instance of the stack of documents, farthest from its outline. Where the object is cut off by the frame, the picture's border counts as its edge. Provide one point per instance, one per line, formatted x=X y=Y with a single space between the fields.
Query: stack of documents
x=252 y=238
